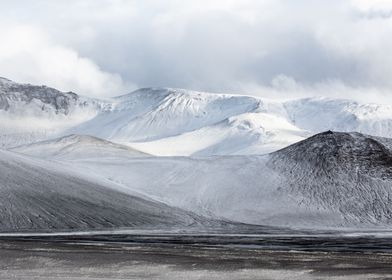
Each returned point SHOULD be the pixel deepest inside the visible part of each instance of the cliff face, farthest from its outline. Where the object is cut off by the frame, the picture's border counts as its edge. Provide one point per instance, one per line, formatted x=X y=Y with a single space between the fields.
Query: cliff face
x=49 y=98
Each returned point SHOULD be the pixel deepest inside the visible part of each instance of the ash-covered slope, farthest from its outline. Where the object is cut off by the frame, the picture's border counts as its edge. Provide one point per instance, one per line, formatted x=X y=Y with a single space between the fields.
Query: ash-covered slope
x=347 y=173
x=78 y=147
x=332 y=179
x=40 y=195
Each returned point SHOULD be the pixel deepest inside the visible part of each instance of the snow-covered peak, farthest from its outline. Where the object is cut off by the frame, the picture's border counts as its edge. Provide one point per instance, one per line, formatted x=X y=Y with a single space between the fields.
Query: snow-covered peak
x=152 y=114
x=29 y=113
x=182 y=100
x=168 y=121
x=46 y=97
x=40 y=100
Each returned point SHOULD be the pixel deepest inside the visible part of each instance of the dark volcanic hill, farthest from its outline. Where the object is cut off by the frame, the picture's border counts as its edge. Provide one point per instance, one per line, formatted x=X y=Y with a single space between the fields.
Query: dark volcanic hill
x=350 y=173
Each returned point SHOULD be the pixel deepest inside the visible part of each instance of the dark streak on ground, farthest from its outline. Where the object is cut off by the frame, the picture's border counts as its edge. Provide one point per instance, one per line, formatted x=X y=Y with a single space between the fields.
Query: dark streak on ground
x=305 y=242
x=323 y=256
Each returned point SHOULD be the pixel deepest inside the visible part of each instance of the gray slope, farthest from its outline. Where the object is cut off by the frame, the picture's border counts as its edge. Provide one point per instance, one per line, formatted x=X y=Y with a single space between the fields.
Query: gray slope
x=347 y=173
x=40 y=195
x=329 y=180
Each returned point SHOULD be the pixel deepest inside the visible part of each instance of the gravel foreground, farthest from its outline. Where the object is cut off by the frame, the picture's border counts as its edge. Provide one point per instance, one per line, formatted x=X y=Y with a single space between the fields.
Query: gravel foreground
x=37 y=259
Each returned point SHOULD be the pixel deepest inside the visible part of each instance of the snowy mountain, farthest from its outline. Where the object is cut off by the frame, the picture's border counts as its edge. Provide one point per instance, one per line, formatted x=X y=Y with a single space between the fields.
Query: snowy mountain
x=330 y=180
x=48 y=196
x=176 y=122
x=181 y=122
x=321 y=114
x=29 y=113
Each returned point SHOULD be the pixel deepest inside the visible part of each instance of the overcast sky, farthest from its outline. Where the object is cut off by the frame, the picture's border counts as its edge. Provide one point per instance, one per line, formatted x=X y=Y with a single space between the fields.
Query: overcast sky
x=273 y=48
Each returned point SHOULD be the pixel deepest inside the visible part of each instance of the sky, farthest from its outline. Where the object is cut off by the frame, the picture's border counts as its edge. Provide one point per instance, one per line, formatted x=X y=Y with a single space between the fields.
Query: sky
x=269 y=48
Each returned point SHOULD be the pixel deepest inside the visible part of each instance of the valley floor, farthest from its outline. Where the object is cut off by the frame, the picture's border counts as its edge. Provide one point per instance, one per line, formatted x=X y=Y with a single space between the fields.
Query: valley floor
x=178 y=257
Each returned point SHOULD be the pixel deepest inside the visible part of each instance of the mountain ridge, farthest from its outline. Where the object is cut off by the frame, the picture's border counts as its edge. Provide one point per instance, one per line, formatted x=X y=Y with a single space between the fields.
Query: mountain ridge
x=179 y=122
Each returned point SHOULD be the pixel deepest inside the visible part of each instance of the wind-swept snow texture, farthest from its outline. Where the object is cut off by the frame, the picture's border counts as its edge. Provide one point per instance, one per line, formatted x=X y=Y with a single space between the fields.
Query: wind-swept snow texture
x=329 y=180
x=41 y=195
x=176 y=122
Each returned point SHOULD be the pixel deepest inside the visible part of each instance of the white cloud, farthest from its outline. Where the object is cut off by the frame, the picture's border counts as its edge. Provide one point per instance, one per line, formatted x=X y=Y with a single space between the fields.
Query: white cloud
x=286 y=88
x=372 y=5
x=215 y=45
x=28 y=55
